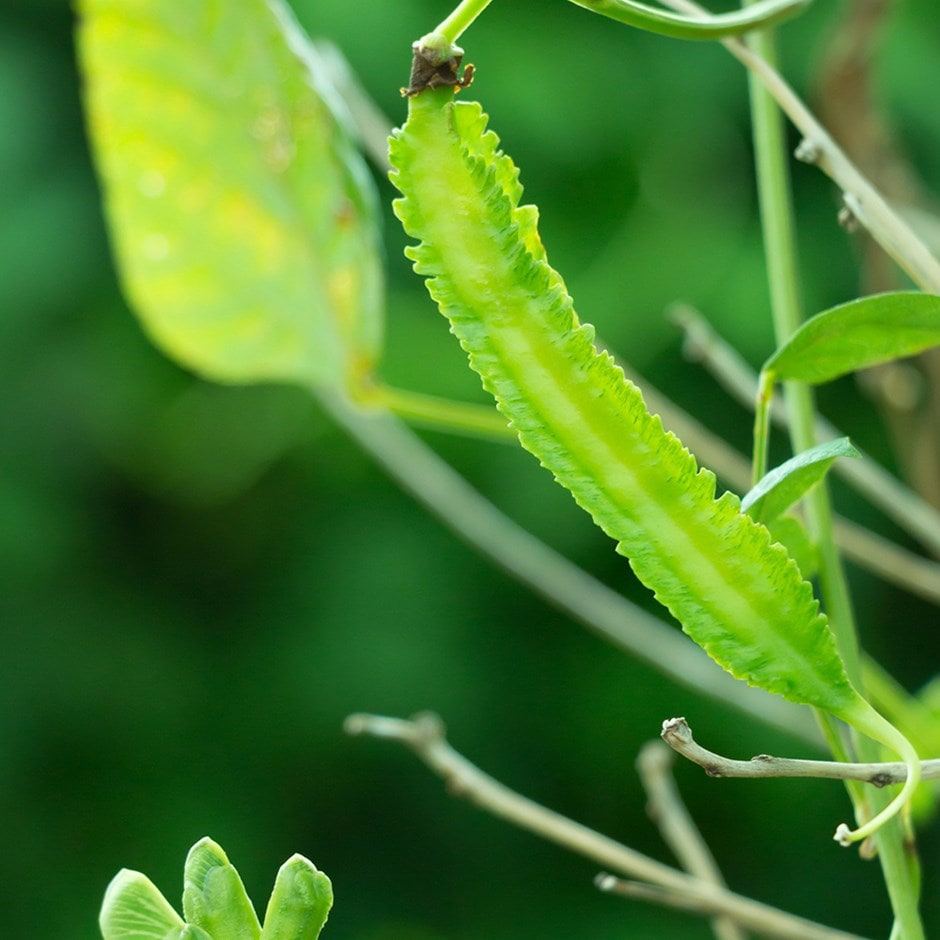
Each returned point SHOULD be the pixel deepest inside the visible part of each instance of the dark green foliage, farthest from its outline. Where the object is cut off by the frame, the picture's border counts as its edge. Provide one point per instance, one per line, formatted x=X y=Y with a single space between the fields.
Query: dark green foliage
x=187 y=620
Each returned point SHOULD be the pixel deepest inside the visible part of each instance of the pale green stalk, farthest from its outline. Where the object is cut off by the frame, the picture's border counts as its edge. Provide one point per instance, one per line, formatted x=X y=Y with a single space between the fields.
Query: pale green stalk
x=780 y=247
x=864 y=201
x=453 y=27
x=765 y=395
x=441 y=414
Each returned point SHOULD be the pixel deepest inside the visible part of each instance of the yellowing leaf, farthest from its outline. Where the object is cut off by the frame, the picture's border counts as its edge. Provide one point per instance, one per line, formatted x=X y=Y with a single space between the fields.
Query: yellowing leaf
x=242 y=217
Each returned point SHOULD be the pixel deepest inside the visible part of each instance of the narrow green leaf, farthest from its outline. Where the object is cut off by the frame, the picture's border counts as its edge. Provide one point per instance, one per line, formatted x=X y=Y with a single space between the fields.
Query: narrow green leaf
x=857 y=335
x=214 y=897
x=242 y=218
x=787 y=484
x=134 y=909
x=300 y=902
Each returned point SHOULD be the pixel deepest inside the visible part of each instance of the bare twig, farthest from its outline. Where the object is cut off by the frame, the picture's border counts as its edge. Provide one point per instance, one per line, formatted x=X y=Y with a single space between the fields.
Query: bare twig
x=424 y=735
x=666 y=808
x=865 y=202
x=678 y=735
x=638 y=891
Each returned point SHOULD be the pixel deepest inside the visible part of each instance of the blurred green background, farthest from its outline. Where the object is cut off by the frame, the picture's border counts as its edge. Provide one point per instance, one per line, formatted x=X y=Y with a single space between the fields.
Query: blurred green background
x=200 y=583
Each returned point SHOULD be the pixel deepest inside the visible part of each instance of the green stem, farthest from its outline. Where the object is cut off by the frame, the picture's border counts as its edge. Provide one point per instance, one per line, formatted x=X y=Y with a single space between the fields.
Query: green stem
x=439 y=414
x=762 y=14
x=765 y=397
x=877 y=728
x=782 y=273
x=868 y=205
x=454 y=26
x=780 y=245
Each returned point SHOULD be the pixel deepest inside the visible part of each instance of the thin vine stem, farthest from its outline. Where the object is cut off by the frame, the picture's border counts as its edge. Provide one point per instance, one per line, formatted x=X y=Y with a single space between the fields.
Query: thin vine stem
x=773 y=182
x=441 y=414
x=780 y=246
x=763 y=14
x=765 y=394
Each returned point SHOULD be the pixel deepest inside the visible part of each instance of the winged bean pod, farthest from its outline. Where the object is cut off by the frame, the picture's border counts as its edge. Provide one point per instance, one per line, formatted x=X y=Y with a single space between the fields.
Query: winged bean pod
x=734 y=591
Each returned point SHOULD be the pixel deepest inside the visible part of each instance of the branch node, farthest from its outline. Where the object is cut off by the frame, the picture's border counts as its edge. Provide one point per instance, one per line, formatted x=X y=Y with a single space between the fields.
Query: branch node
x=428 y=728
x=676 y=729
x=848 y=220
x=808 y=151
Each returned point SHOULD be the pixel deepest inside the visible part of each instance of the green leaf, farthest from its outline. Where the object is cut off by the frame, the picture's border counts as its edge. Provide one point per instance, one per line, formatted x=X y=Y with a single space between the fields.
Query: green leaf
x=214 y=897
x=300 y=902
x=785 y=485
x=134 y=909
x=790 y=532
x=242 y=218
x=857 y=335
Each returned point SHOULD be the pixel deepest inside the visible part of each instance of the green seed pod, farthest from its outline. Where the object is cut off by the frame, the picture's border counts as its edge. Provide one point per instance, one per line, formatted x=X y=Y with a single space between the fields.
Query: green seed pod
x=734 y=591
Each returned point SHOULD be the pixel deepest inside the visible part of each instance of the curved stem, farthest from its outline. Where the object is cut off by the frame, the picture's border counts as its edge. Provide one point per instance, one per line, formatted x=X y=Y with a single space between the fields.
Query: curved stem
x=441 y=490
x=701 y=25
x=872 y=724
x=777 y=217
